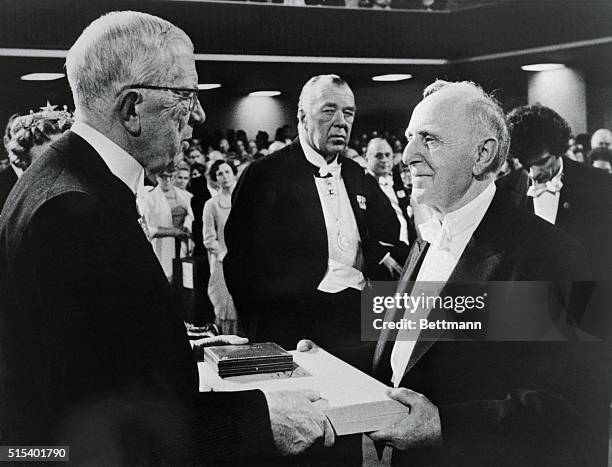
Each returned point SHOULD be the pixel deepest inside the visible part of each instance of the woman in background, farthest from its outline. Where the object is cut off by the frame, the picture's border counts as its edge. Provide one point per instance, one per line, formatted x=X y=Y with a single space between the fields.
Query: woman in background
x=168 y=215
x=216 y=212
x=26 y=138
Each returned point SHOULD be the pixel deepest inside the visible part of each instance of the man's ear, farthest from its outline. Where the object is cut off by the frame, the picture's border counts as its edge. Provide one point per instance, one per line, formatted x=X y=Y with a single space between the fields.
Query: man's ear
x=487 y=150
x=301 y=116
x=129 y=114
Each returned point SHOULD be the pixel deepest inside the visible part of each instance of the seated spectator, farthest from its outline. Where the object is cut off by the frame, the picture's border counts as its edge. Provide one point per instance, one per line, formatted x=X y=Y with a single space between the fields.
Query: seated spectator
x=4 y=163
x=216 y=212
x=601 y=158
x=168 y=216
x=26 y=138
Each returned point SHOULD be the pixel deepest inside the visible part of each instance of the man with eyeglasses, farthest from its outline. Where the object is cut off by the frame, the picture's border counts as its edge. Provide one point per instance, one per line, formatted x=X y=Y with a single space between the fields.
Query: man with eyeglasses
x=94 y=353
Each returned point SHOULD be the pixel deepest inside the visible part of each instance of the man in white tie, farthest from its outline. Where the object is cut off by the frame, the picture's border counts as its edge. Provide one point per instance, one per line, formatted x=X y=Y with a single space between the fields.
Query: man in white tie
x=484 y=403
x=379 y=157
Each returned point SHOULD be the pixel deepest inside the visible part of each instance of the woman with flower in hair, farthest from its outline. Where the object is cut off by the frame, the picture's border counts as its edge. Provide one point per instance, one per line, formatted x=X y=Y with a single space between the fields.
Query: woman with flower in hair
x=26 y=138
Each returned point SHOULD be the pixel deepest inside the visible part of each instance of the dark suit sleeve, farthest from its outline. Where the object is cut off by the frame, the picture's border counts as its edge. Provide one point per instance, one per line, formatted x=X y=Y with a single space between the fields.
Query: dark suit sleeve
x=559 y=416
x=238 y=235
x=112 y=361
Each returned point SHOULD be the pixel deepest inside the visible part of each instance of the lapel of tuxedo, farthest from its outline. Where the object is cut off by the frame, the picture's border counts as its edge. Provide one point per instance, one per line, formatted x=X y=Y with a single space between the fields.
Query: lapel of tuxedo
x=387 y=336
x=566 y=201
x=481 y=256
x=304 y=187
x=353 y=181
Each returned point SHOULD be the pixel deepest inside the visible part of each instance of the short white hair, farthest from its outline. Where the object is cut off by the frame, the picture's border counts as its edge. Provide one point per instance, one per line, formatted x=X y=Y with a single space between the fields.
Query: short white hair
x=119 y=49
x=307 y=90
x=486 y=112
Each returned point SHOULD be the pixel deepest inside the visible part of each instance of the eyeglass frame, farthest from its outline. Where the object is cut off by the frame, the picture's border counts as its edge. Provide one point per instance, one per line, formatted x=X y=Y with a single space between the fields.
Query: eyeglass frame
x=193 y=97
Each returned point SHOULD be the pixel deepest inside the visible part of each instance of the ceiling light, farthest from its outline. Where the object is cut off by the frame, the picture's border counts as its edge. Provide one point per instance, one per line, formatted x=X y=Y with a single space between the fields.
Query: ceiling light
x=264 y=93
x=543 y=67
x=42 y=76
x=205 y=86
x=392 y=77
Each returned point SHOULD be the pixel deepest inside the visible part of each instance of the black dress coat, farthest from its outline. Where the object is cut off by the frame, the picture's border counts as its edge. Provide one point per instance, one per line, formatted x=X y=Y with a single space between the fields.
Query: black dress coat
x=93 y=351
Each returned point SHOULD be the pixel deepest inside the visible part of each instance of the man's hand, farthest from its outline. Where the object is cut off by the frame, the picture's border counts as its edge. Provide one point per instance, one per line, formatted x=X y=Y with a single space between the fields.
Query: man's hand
x=305 y=345
x=296 y=423
x=421 y=427
x=230 y=339
x=393 y=266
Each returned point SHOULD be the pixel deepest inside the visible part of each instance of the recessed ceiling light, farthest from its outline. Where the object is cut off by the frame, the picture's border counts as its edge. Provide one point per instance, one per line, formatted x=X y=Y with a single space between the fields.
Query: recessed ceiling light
x=42 y=76
x=392 y=77
x=264 y=93
x=205 y=86
x=543 y=67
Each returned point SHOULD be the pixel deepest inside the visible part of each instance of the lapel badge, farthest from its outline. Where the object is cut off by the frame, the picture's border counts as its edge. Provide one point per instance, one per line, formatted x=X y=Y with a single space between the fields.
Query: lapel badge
x=566 y=205
x=400 y=194
x=361 y=200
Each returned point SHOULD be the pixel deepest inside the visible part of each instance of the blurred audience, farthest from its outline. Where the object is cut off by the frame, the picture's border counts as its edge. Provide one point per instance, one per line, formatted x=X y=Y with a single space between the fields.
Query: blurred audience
x=602 y=138
x=601 y=158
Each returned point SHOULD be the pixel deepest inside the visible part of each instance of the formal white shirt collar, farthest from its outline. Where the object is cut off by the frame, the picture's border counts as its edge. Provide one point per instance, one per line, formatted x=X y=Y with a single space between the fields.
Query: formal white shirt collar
x=120 y=163
x=313 y=156
x=471 y=214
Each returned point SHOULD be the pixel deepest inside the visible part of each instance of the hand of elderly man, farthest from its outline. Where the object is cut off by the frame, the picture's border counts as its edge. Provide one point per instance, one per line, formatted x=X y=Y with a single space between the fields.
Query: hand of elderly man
x=296 y=422
x=421 y=427
x=230 y=339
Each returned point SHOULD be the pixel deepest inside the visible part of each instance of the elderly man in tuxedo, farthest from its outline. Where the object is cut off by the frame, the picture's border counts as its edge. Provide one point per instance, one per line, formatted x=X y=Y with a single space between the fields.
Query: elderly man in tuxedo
x=94 y=353
x=485 y=403
x=307 y=228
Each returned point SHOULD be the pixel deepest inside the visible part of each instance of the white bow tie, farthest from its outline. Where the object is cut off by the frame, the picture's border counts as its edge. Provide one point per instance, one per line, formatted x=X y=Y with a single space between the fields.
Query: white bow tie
x=552 y=186
x=333 y=169
x=435 y=232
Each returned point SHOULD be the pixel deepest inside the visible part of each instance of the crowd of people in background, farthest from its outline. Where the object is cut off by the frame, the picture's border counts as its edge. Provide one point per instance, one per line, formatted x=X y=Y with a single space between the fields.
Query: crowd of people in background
x=219 y=158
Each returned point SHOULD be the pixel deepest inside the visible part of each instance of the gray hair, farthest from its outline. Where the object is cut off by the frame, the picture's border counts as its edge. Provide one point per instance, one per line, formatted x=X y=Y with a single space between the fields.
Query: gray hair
x=307 y=89
x=486 y=111
x=118 y=49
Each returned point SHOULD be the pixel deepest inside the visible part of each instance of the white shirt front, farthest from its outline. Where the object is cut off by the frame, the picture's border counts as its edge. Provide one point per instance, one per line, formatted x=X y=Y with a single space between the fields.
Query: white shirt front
x=345 y=257
x=386 y=185
x=546 y=205
x=438 y=264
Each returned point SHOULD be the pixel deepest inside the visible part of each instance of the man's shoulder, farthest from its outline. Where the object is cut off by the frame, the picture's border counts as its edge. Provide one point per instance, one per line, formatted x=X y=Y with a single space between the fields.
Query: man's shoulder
x=587 y=180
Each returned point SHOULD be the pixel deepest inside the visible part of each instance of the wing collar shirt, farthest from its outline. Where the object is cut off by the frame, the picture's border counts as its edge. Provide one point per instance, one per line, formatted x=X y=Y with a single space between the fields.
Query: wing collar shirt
x=345 y=257
x=546 y=196
x=448 y=235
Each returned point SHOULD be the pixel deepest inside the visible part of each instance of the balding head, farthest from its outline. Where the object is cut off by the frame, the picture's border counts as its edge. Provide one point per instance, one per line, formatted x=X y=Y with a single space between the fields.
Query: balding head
x=379 y=157
x=602 y=138
x=325 y=113
x=457 y=140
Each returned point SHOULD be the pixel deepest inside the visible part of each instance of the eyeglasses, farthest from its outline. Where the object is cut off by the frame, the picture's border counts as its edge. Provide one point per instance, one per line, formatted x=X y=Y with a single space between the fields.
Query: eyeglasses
x=183 y=93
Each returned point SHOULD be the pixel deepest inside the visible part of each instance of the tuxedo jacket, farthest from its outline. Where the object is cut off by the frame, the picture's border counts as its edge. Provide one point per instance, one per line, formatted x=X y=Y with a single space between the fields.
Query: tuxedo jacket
x=8 y=178
x=509 y=403
x=276 y=235
x=93 y=350
x=585 y=210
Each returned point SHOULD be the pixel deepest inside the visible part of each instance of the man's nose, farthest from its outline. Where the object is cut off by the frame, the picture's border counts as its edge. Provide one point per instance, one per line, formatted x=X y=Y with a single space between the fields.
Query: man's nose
x=340 y=119
x=197 y=116
x=410 y=152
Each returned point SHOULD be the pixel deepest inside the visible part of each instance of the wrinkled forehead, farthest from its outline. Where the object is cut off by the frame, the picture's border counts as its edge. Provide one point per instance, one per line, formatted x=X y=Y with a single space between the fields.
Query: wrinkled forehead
x=182 y=60
x=379 y=147
x=327 y=92
x=443 y=109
